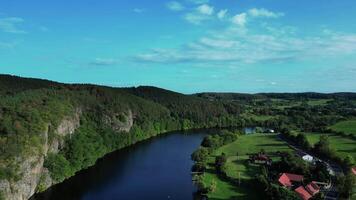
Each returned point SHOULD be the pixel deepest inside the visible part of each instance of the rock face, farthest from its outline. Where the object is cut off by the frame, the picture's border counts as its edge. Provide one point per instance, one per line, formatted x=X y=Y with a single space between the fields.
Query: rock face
x=32 y=167
x=36 y=177
x=120 y=122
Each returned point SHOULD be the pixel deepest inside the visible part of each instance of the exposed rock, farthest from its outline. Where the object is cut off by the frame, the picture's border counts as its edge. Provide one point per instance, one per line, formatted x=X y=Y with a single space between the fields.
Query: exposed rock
x=23 y=189
x=120 y=122
x=66 y=127
x=34 y=175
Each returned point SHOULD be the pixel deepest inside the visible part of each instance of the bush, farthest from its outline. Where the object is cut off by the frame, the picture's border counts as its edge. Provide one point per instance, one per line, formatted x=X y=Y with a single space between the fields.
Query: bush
x=200 y=155
x=59 y=167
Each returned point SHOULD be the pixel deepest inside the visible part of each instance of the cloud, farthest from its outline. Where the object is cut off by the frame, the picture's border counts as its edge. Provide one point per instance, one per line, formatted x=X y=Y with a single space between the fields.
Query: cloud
x=10 y=25
x=138 y=10
x=198 y=1
x=262 y=12
x=205 y=9
x=175 y=6
x=233 y=46
x=240 y=19
x=196 y=18
x=103 y=62
x=221 y=14
x=201 y=13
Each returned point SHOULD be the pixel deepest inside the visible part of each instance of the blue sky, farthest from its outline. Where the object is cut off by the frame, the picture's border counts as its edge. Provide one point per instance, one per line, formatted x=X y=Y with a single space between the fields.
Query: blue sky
x=187 y=46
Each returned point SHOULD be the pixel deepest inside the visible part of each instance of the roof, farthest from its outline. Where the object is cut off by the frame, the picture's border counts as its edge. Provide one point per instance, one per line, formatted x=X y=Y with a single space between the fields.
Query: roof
x=353 y=170
x=302 y=193
x=286 y=179
x=262 y=157
x=312 y=188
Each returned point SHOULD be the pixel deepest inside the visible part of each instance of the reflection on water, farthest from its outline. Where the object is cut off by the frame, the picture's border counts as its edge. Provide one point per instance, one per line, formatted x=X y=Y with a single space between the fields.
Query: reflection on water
x=158 y=168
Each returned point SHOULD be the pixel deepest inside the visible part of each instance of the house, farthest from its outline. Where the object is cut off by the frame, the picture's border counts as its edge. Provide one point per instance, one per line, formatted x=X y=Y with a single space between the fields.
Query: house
x=260 y=158
x=308 y=158
x=289 y=180
x=353 y=170
x=303 y=193
x=313 y=188
x=269 y=131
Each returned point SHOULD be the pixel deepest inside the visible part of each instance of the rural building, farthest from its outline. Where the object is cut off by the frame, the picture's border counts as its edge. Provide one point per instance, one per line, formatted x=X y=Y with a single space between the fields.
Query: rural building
x=260 y=158
x=303 y=193
x=313 y=188
x=308 y=191
x=308 y=158
x=290 y=180
x=353 y=170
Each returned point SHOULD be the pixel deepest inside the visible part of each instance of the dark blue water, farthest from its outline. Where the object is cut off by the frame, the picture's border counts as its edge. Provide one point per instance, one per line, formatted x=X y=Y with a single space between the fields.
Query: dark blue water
x=158 y=168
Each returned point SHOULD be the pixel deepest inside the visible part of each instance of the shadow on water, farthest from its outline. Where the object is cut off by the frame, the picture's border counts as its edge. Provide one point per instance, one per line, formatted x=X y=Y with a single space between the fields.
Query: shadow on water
x=158 y=168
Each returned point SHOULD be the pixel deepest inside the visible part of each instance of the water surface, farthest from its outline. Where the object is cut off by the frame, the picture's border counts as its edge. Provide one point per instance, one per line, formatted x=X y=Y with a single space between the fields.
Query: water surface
x=158 y=168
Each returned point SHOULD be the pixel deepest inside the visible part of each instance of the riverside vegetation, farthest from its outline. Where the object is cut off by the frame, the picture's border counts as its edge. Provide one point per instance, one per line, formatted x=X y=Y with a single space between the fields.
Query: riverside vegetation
x=49 y=131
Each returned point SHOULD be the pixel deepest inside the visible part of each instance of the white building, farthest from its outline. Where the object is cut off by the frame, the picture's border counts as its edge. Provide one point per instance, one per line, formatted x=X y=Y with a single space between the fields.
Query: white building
x=308 y=158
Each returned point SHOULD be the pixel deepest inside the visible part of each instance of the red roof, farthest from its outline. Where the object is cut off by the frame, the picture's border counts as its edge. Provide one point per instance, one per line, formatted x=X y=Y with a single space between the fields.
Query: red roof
x=313 y=188
x=262 y=157
x=286 y=179
x=353 y=170
x=303 y=193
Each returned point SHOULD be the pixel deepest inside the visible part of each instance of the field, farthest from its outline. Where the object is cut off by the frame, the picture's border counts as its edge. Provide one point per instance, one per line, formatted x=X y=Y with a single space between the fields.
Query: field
x=348 y=126
x=343 y=145
x=258 y=117
x=239 y=167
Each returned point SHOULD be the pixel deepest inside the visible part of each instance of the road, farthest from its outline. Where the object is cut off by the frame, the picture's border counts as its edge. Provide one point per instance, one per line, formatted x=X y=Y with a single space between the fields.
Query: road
x=334 y=170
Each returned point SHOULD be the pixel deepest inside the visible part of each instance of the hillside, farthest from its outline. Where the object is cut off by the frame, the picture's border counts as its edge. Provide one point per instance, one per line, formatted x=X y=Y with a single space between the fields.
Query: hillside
x=49 y=130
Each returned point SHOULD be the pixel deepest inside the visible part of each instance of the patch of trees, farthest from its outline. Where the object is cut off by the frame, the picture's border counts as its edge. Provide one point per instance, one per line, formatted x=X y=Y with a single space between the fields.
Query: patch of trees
x=299 y=139
x=203 y=153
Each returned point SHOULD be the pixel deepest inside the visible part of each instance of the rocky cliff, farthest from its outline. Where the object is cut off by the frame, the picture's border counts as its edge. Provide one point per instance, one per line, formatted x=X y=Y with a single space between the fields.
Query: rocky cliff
x=33 y=175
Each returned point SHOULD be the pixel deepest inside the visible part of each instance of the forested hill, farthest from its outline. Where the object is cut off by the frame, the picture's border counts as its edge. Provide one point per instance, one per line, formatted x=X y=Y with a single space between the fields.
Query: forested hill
x=13 y=84
x=50 y=130
x=287 y=96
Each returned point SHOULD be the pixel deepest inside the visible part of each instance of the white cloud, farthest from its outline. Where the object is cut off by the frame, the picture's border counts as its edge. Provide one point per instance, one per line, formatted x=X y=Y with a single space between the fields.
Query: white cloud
x=10 y=25
x=205 y=9
x=195 y=18
x=235 y=47
x=240 y=19
x=175 y=6
x=262 y=12
x=138 y=10
x=198 y=1
x=103 y=62
x=221 y=14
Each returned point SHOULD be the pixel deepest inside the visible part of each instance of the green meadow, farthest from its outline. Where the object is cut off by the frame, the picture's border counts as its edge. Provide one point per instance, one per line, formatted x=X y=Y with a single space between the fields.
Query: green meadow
x=238 y=166
x=348 y=126
x=343 y=145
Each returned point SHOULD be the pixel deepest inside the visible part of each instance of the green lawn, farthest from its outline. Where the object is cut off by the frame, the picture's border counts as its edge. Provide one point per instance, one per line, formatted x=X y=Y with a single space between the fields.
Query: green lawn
x=319 y=102
x=343 y=145
x=348 y=126
x=257 y=117
x=239 y=167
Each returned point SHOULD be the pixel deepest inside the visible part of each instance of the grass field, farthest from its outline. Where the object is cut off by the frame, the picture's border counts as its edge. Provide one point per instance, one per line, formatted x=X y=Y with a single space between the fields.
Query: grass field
x=257 y=117
x=343 y=145
x=319 y=102
x=239 y=167
x=348 y=126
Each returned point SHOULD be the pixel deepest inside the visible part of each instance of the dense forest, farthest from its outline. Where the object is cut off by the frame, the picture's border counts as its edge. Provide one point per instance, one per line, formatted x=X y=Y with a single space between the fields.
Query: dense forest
x=67 y=127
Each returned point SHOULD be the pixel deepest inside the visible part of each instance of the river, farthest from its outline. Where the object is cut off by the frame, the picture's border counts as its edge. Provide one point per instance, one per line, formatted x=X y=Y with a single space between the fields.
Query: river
x=158 y=168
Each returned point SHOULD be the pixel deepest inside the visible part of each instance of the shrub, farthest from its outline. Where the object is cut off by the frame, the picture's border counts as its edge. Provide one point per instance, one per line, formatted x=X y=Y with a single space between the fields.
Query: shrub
x=58 y=166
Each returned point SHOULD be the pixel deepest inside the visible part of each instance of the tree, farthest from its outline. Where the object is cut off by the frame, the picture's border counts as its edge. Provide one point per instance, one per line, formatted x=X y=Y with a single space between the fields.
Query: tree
x=349 y=161
x=200 y=155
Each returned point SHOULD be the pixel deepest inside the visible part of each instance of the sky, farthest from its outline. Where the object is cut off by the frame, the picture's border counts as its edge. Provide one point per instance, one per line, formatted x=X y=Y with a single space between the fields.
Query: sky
x=189 y=46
